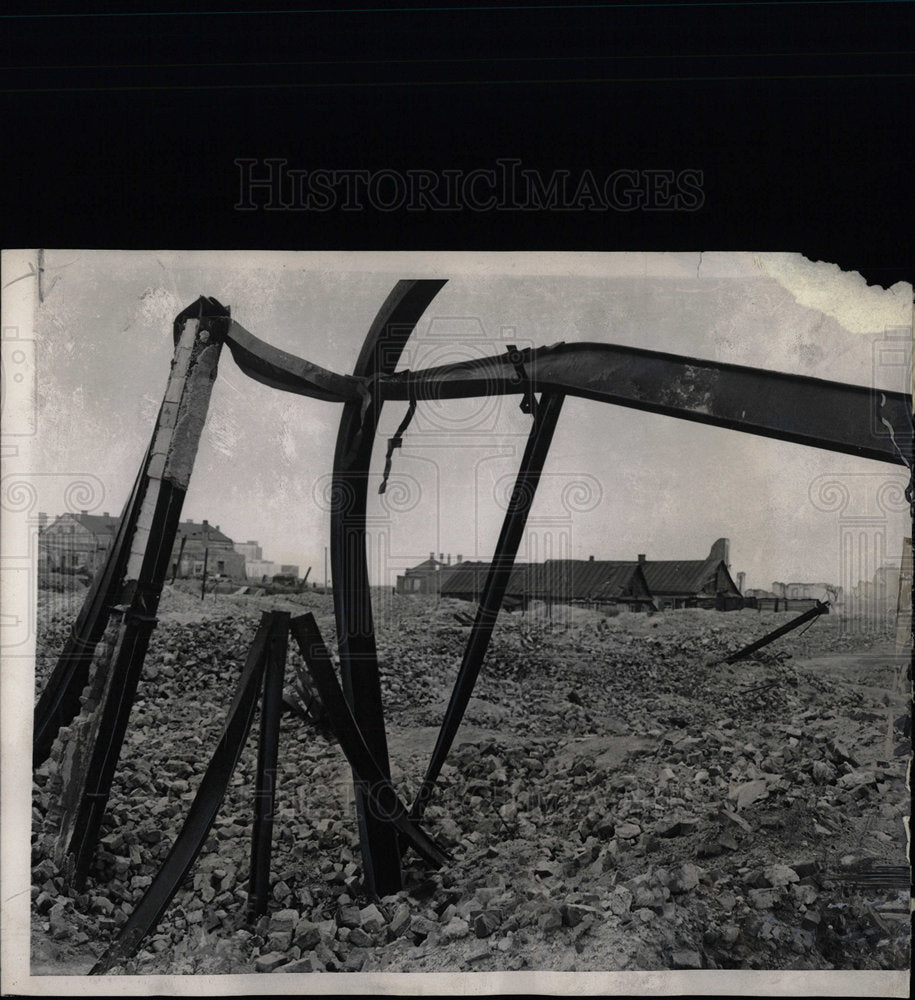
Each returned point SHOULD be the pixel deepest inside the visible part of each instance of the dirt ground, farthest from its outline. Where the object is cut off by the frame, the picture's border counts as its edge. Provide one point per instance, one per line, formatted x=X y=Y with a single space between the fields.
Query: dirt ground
x=616 y=799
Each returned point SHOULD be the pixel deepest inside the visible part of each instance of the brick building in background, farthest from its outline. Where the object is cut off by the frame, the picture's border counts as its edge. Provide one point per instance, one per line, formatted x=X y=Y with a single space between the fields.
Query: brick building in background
x=196 y=544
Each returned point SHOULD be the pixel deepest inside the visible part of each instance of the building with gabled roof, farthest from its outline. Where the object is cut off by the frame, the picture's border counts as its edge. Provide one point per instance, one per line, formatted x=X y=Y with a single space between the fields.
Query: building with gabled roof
x=198 y=545
x=426 y=577
x=693 y=583
x=76 y=543
x=634 y=584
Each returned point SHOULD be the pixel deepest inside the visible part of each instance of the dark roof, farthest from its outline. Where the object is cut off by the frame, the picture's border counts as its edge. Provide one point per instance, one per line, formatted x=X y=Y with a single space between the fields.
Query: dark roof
x=582 y=580
x=687 y=576
x=592 y=579
x=202 y=532
x=678 y=575
x=98 y=524
x=470 y=577
x=569 y=579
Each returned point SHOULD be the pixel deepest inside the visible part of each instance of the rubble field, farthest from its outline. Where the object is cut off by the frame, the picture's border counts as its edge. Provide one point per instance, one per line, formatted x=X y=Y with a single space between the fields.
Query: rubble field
x=616 y=799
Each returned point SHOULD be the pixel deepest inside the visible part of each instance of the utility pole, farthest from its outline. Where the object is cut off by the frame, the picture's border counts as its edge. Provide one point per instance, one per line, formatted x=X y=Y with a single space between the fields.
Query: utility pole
x=206 y=555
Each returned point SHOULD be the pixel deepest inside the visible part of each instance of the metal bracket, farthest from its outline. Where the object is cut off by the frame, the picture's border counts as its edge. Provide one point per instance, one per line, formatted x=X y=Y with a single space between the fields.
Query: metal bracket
x=396 y=441
x=528 y=402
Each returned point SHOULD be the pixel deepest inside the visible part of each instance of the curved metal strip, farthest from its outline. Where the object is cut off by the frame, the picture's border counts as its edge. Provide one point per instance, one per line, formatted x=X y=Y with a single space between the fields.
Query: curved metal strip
x=352 y=599
x=207 y=801
x=377 y=785
x=281 y=370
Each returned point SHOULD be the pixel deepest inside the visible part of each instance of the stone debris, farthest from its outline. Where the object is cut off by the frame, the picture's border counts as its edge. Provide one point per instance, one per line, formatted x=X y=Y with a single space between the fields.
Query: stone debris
x=672 y=814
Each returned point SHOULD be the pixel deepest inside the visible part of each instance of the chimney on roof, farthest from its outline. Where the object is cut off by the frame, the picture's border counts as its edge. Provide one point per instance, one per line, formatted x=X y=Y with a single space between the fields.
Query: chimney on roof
x=641 y=557
x=741 y=577
x=449 y=558
x=206 y=522
x=84 y=512
x=590 y=558
x=190 y=520
x=459 y=558
x=105 y=514
x=432 y=556
x=441 y=557
x=721 y=550
x=217 y=527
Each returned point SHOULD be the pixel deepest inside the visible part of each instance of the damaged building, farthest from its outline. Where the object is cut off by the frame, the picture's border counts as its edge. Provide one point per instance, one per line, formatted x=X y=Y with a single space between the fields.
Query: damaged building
x=636 y=585
x=694 y=583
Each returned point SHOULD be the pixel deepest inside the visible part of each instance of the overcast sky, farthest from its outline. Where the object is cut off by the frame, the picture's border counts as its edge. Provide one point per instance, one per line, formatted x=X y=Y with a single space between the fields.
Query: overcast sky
x=618 y=482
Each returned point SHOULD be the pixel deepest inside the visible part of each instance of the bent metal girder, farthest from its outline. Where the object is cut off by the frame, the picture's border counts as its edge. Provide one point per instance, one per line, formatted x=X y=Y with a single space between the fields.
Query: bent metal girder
x=852 y=419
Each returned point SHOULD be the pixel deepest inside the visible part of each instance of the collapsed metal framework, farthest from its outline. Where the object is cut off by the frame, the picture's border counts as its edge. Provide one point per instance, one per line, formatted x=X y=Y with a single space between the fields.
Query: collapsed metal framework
x=104 y=653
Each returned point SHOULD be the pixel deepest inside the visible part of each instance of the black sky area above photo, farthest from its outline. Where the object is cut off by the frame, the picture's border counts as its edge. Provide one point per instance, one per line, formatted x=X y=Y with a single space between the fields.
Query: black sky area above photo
x=795 y=114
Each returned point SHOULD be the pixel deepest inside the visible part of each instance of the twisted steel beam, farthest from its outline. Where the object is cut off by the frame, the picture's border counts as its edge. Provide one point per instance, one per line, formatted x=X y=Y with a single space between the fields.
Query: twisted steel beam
x=836 y=416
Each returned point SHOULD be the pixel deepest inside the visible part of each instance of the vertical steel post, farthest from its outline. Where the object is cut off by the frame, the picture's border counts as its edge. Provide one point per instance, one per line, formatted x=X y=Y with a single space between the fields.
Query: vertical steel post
x=199 y=332
x=349 y=570
x=60 y=699
x=535 y=452
x=267 y=754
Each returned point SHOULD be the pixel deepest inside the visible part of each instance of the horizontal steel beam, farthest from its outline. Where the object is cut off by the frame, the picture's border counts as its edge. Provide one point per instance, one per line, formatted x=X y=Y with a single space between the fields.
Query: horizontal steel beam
x=852 y=419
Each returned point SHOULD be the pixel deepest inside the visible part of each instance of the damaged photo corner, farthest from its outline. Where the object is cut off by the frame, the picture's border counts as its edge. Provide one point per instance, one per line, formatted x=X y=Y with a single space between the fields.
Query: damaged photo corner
x=454 y=622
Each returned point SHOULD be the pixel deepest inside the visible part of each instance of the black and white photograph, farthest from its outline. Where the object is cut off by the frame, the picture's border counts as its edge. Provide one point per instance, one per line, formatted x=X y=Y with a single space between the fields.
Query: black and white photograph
x=422 y=622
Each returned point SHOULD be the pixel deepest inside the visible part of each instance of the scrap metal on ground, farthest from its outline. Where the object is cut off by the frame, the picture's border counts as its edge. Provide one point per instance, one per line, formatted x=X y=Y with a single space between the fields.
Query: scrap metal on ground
x=820 y=608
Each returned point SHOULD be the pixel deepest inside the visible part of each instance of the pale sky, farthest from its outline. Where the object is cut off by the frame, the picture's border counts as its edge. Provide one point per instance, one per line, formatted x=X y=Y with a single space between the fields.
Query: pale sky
x=618 y=482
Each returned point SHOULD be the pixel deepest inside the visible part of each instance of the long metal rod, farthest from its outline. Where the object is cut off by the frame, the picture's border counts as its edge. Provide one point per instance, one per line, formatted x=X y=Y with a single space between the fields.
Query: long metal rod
x=386 y=806
x=535 y=452
x=349 y=569
x=59 y=701
x=203 y=810
x=267 y=755
x=821 y=608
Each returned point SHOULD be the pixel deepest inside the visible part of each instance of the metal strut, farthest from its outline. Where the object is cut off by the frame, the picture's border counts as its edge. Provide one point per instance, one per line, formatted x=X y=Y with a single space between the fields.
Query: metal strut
x=379 y=356
x=535 y=452
x=267 y=755
x=205 y=806
x=820 y=608
x=59 y=701
x=375 y=785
